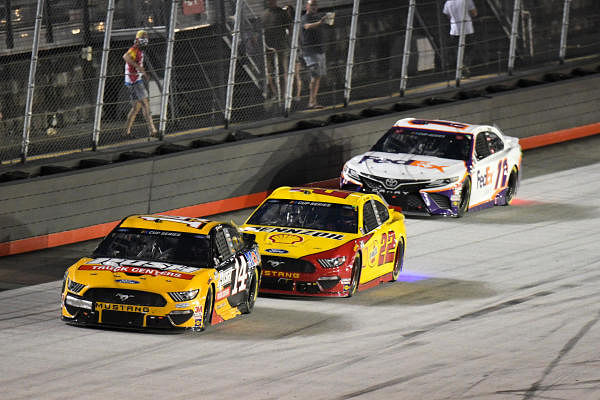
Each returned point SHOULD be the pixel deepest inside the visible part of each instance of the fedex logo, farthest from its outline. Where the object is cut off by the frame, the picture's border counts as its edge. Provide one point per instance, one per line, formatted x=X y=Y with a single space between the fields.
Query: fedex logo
x=484 y=178
x=414 y=163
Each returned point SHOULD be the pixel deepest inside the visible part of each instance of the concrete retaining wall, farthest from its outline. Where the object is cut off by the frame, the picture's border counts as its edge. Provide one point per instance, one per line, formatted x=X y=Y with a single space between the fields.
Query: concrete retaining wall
x=55 y=203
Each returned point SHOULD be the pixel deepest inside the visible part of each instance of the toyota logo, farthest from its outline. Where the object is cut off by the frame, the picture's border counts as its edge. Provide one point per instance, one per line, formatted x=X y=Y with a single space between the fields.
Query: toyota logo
x=391 y=182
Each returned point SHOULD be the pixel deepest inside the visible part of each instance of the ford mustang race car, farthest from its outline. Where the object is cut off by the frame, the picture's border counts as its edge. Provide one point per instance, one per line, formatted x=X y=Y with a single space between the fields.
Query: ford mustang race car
x=438 y=167
x=158 y=271
x=323 y=242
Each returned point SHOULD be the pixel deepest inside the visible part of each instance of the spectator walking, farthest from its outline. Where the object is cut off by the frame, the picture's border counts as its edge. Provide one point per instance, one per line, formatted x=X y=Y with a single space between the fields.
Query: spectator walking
x=313 y=50
x=134 y=80
x=276 y=22
x=455 y=11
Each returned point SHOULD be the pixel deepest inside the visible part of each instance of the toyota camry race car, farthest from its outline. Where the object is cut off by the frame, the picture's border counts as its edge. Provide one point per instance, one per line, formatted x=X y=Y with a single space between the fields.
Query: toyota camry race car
x=158 y=271
x=438 y=167
x=323 y=242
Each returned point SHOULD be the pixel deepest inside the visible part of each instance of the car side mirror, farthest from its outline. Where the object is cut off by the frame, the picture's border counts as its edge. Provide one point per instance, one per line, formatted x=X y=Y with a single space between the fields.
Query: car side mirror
x=249 y=237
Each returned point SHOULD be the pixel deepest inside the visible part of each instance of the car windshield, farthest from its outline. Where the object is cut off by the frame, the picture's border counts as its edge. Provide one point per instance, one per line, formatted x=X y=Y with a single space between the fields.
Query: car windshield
x=306 y=215
x=454 y=146
x=154 y=245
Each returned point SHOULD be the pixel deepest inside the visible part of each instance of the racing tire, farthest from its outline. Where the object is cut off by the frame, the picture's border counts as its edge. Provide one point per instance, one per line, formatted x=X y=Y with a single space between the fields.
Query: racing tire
x=399 y=261
x=248 y=304
x=356 y=270
x=208 y=309
x=465 y=196
x=511 y=189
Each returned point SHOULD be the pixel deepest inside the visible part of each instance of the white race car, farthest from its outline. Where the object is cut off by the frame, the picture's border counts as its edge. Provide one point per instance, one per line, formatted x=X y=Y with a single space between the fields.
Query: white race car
x=438 y=167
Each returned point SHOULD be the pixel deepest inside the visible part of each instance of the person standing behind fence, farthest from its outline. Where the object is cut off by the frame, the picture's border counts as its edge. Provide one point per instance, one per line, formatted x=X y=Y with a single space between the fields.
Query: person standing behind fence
x=134 y=80
x=454 y=10
x=313 y=49
x=277 y=24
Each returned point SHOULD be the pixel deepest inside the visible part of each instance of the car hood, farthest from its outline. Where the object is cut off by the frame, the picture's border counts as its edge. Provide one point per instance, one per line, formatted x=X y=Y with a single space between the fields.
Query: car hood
x=405 y=166
x=296 y=243
x=137 y=274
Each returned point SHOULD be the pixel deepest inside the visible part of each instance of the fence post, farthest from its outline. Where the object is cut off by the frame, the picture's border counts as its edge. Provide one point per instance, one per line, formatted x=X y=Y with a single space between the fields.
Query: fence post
x=513 y=36
x=233 y=61
x=461 y=45
x=164 y=99
x=350 y=59
x=407 y=41
x=289 y=79
x=31 y=82
x=564 y=31
x=102 y=81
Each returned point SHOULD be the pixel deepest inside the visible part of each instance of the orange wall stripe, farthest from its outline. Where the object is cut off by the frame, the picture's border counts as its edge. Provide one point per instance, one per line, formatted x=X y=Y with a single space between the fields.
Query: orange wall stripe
x=559 y=136
x=101 y=230
x=241 y=202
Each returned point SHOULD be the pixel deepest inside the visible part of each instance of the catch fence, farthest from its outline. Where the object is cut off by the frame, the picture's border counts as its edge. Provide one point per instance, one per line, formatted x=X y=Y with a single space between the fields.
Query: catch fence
x=62 y=88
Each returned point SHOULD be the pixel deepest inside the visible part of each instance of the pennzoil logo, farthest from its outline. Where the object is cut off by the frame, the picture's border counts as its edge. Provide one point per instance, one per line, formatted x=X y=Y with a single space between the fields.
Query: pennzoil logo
x=285 y=238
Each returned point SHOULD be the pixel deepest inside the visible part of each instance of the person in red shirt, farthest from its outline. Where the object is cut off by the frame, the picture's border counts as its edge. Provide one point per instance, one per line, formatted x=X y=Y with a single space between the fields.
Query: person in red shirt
x=134 y=80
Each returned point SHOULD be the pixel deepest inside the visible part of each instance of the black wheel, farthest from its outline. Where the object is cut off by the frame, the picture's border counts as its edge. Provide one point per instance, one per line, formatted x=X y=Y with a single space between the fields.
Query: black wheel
x=356 y=268
x=248 y=304
x=465 y=195
x=399 y=263
x=208 y=309
x=511 y=190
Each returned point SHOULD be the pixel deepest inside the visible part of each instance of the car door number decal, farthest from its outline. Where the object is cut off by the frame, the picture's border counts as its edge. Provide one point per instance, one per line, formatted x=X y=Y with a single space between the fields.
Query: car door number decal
x=387 y=249
x=502 y=171
x=240 y=275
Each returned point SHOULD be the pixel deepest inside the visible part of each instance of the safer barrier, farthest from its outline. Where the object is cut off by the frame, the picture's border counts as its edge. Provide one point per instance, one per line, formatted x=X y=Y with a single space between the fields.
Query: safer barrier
x=56 y=209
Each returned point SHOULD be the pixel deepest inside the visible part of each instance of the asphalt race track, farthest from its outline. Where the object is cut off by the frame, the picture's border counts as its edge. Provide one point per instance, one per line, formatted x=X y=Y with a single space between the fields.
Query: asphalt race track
x=502 y=304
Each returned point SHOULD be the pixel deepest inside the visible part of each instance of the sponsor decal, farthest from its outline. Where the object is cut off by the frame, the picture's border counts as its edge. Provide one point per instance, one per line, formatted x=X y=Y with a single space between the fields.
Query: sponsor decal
x=345 y=281
x=373 y=254
x=224 y=278
x=191 y=222
x=276 y=251
x=182 y=305
x=139 y=267
x=484 y=178
x=129 y=281
x=285 y=238
x=281 y=274
x=197 y=316
x=252 y=258
x=414 y=163
x=346 y=287
x=296 y=231
x=223 y=294
x=434 y=122
x=122 y=307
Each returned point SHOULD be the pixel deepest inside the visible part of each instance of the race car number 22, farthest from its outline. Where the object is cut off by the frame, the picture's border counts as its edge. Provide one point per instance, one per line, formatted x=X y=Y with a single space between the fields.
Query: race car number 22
x=388 y=247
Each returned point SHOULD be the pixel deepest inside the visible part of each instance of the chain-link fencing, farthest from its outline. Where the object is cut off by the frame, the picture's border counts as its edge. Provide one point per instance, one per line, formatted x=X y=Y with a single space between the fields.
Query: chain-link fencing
x=220 y=63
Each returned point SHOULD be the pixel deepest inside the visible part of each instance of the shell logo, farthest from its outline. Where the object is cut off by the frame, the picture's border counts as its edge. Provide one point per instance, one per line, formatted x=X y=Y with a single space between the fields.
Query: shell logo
x=285 y=238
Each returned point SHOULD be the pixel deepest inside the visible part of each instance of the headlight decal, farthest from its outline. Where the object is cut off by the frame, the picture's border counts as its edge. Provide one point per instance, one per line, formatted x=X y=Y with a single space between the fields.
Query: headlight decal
x=184 y=296
x=334 y=262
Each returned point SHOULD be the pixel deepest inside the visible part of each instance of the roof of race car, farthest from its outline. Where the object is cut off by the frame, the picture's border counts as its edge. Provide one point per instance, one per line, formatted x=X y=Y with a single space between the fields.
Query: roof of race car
x=169 y=223
x=319 y=194
x=437 y=125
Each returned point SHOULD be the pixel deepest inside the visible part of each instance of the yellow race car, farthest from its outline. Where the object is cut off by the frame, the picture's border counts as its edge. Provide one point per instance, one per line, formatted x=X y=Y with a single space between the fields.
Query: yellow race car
x=323 y=242
x=159 y=271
